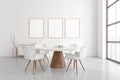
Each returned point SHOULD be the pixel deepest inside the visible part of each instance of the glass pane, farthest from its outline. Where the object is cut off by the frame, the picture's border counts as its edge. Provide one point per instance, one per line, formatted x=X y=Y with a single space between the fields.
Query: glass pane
x=118 y=10
x=109 y=51
x=118 y=32
x=112 y=14
x=112 y=51
x=112 y=33
x=118 y=52
x=111 y=1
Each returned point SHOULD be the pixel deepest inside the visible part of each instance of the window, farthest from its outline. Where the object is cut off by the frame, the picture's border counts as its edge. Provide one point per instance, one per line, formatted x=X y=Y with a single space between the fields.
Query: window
x=113 y=30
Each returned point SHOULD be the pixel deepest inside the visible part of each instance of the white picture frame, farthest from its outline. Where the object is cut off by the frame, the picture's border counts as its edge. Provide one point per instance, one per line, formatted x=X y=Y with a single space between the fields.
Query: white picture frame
x=72 y=28
x=55 y=28
x=36 y=27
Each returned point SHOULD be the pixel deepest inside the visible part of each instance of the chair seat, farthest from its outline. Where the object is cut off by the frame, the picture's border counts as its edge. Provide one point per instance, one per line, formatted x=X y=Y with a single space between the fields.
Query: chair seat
x=37 y=57
x=72 y=56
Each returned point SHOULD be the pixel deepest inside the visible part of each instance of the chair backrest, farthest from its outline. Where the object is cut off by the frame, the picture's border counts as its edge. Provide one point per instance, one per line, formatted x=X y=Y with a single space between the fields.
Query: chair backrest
x=72 y=46
x=81 y=52
x=28 y=52
x=38 y=46
x=77 y=53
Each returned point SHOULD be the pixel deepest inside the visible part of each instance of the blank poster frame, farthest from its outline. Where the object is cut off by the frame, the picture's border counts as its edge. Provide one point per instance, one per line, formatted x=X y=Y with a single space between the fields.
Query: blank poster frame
x=55 y=28
x=72 y=28
x=36 y=28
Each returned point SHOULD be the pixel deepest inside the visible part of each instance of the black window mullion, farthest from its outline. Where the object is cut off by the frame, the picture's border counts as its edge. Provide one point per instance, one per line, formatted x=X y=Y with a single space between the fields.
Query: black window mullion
x=112 y=3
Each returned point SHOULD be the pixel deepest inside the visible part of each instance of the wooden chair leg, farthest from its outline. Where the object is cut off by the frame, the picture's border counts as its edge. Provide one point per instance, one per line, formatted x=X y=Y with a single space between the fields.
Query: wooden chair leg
x=81 y=65
x=33 y=67
x=74 y=64
x=68 y=65
x=76 y=67
x=47 y=57
x=16 y=49
x=41 y=65
x=27 y=65
x=35 y=63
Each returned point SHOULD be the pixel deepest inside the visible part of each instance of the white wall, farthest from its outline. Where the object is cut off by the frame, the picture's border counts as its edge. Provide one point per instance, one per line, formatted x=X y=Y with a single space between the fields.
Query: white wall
x=14 y=15
x=101 y=29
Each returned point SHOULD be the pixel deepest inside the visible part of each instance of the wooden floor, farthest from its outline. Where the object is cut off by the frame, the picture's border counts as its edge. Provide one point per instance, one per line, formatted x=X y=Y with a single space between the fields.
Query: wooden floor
x=96 y=69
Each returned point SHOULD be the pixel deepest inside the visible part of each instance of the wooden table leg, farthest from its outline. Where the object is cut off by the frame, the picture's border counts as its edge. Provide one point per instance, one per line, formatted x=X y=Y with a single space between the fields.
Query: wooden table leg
x=16 y=51
x=58 y=60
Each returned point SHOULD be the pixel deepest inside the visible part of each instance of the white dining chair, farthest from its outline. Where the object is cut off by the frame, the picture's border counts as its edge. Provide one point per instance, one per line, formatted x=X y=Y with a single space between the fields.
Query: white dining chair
x=31 y=56
x=38 y=46
x=70 y=52
x=76 y=57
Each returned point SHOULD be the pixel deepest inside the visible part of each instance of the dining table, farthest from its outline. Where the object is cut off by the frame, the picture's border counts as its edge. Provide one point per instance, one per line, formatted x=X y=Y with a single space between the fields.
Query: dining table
x=58 y=60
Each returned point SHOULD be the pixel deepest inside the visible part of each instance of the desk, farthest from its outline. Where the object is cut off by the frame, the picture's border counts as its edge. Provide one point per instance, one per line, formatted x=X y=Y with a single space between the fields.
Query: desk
x=58 y=58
